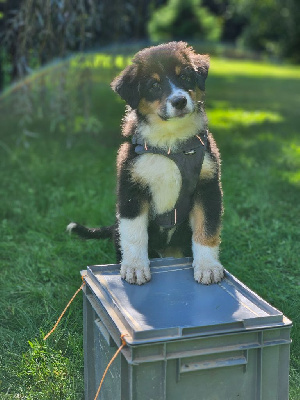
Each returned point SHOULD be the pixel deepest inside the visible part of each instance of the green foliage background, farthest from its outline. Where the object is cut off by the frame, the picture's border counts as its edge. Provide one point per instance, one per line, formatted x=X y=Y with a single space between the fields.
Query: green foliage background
x=57 y=164
x=35 y=32
x=184 y=19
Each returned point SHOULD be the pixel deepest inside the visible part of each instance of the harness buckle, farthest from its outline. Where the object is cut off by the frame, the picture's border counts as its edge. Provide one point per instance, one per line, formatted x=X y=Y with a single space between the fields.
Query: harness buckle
x=190 y=152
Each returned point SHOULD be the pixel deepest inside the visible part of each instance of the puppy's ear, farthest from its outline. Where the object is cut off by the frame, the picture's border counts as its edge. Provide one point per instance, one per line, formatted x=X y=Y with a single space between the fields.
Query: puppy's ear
x=201 y=65
x=126 y=85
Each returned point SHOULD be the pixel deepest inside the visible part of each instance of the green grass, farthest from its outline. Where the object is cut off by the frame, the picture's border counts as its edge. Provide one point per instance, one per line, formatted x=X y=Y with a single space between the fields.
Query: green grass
x=254 y=114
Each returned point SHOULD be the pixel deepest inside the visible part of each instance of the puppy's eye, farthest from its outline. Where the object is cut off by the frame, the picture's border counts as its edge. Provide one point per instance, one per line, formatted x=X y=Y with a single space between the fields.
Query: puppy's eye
x=185 y=77
x=154 y=86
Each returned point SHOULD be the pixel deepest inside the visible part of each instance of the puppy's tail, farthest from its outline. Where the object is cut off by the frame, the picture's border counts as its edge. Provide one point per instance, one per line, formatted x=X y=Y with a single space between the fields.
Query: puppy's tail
x=106 y=232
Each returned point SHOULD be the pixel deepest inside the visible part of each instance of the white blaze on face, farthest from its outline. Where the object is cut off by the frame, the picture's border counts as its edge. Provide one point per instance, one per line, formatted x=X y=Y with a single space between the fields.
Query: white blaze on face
x=177 y=93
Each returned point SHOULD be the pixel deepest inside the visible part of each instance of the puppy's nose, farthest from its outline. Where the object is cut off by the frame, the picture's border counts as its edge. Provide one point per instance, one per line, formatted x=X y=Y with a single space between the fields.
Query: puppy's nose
x=179 y=102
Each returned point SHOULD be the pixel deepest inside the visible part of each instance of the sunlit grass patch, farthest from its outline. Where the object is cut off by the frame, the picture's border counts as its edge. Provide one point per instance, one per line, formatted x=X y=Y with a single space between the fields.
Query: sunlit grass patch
x=46 y=373
x=100 y=60
x=237 y=68
x=45 y=367
x=228 y=118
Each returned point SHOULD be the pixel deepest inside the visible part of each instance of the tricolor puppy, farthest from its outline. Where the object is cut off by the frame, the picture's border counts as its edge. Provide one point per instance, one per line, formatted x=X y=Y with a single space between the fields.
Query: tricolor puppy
x=169 y=197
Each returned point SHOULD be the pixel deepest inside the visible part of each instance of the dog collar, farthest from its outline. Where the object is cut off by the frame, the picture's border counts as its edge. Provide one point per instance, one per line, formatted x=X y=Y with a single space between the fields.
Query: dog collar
x=189 y=159
x=188 y=147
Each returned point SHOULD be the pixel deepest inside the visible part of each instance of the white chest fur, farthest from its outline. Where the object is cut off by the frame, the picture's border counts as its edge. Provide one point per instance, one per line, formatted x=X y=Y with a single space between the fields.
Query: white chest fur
x=162 y=176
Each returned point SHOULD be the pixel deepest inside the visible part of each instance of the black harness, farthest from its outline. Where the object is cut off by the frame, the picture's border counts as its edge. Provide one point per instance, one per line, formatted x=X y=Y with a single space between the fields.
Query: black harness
x=189 y=159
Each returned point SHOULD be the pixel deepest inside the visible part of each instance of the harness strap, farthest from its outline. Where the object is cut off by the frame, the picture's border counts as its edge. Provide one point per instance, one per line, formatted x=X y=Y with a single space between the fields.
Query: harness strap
x=189 y=159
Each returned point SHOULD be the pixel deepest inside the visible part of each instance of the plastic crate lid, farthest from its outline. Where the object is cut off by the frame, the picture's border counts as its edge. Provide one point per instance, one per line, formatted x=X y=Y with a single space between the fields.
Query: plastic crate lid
x=172 y=305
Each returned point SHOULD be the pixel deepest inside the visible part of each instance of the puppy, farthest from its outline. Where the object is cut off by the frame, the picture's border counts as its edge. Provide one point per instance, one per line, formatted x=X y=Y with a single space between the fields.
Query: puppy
x=169 y=196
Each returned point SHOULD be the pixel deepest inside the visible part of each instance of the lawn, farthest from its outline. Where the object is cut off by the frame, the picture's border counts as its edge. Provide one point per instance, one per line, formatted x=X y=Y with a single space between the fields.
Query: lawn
x=59 y=137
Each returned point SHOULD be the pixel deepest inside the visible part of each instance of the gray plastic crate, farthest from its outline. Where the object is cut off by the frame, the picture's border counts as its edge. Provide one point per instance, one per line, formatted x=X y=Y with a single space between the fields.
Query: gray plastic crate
x=186 y=341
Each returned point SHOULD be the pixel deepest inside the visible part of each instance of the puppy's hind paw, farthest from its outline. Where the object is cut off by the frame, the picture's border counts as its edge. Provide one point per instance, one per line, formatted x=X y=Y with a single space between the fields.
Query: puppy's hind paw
x=135 y=274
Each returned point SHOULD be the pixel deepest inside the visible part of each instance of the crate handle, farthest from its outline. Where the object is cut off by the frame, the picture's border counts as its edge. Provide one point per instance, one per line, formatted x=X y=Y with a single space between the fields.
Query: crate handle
x=106 y=335
x=212 y=361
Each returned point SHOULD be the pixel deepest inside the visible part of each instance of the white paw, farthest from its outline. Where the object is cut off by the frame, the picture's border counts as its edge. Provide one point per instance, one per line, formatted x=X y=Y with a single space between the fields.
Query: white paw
x=208 y=271
x=71 y=226
x=135 y=274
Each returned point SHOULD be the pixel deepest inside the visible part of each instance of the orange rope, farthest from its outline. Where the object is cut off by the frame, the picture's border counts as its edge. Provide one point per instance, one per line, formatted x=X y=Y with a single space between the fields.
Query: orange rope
x=116 y=353
x=67 y=306
x=109 y=364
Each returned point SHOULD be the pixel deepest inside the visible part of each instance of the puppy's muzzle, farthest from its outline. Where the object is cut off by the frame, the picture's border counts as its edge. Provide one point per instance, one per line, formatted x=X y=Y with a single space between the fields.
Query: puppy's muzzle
x=179 y=102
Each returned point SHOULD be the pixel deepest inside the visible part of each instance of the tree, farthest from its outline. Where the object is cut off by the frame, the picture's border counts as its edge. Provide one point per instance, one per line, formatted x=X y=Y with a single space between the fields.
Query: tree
x=6 y=7
x=268 y=25
x=184 y=20
x=37 y=31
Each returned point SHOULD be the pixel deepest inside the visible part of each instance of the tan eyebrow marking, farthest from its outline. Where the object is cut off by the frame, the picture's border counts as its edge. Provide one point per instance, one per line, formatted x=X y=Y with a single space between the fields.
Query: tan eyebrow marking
x=177 y=69
x=156 y=77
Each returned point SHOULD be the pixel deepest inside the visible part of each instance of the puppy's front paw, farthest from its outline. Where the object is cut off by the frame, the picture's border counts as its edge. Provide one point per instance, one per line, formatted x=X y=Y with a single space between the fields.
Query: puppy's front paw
x=135 y=274
x=208 y=271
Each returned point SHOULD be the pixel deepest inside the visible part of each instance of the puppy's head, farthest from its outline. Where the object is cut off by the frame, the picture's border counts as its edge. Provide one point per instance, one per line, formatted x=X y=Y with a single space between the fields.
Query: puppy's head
x=164 y=82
